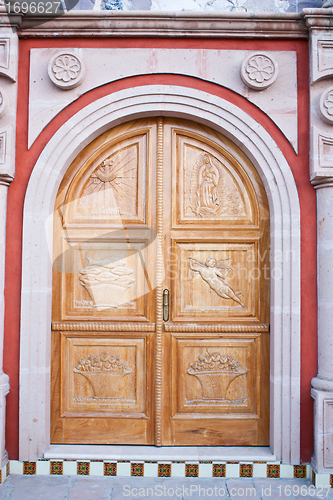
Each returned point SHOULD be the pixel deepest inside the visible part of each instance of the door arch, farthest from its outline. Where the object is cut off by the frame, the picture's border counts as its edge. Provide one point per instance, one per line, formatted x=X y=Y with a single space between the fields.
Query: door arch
x=152 y=205
x=284 y=208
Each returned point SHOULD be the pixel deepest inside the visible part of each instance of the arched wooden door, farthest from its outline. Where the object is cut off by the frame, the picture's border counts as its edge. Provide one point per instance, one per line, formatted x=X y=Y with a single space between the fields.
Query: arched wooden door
x=160 y=329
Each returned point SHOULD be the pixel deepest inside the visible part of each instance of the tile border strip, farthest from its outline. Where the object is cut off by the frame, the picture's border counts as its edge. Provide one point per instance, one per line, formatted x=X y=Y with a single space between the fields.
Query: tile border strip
x=165 y=468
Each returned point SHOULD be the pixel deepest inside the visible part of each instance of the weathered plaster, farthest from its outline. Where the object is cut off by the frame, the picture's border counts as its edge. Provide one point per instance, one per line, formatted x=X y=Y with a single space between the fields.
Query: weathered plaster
x=223 y=67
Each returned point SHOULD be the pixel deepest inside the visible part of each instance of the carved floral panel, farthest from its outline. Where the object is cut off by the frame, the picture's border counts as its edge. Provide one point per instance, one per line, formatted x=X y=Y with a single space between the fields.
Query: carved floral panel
x=103 y=375
x=216 y=281
x=216 y=375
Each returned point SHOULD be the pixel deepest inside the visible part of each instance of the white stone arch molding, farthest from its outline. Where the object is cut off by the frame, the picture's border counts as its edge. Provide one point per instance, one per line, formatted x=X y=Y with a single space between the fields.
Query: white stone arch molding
x=279 y=183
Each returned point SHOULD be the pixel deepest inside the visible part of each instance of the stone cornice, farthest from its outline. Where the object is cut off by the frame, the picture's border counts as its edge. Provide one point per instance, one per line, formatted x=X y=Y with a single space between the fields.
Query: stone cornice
x=318 y=18
x=320 y=182
x=5 y=179
x=166 y=24
x=12 y=22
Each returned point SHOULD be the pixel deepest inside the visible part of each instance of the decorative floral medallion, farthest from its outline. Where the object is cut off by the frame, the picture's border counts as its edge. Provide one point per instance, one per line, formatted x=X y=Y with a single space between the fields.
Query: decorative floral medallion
x=259 y=71
x=326 y=105
x=66 y=70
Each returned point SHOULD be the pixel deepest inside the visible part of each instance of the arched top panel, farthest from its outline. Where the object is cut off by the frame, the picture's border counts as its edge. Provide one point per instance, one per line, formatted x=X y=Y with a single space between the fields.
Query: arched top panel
x=107 y=183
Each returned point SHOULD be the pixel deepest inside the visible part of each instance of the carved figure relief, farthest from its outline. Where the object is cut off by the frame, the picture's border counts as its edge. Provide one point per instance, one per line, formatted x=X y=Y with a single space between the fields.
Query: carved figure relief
x=66 y=70
x=104 y=373
x=106 y=281
x=208 y=181
x=112 y=188
x=259 y=71
x=215 y=373
x=214 y=274
x=213 y=192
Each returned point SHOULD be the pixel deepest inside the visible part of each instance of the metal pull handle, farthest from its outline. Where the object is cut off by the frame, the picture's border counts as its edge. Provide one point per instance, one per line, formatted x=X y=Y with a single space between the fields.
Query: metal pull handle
x=165 y=305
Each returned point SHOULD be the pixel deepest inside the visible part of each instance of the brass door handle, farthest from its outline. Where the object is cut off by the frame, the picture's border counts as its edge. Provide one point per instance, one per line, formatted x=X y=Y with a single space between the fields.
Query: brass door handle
x=165 y=305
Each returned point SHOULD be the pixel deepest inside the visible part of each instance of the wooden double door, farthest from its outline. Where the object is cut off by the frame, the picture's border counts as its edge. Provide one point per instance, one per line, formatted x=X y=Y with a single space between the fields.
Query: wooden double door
x=160 y=329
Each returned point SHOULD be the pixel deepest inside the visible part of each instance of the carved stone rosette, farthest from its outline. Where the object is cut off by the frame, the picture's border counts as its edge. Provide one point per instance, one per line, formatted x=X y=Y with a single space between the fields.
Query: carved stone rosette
x=259 y=71
x=3 y=102
x=66 y=70
x=326 y=105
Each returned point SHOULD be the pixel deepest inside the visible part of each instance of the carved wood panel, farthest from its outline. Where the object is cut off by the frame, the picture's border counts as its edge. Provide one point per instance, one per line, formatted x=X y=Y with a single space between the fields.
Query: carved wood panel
x=108 y=279
x=208 y=184
x=103 y=375
x=215 y=280
x=216 y=375
x=111 y=187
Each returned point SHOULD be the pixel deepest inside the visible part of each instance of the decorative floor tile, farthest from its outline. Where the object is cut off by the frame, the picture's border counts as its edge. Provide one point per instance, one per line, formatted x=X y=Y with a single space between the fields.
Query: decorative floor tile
x=191 y=470
x=273 y=470
x=286 y=471
x=29 y=468
x=260 y=470
x=7 y=469
x=218 y=470
x=178 y=469
x=110 y=469
x=137 y=470
x=83 y=468
x=299 y=471
x=56 y=468
x=43 y=467
x=205 y=469
x=331 y=480
x=124 y=469
x=245 y=470
x=151 y=469
x=96 y=468
x=164 y=470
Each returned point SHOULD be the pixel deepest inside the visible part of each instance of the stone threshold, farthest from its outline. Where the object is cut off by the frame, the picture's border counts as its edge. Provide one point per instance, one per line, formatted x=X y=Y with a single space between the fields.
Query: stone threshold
x=154 y=453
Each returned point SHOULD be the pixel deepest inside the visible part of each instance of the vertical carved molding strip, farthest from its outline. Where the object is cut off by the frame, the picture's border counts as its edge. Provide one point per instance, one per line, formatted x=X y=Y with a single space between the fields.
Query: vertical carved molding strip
x=159 y=288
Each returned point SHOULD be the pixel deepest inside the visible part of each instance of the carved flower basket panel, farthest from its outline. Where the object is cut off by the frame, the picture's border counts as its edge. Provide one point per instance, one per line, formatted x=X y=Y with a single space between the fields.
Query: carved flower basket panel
x=105 y=385
x=215 y=384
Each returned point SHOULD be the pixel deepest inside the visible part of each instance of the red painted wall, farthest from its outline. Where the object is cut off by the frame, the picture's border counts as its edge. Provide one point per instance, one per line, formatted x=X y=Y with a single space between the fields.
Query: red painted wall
x=299 y=164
